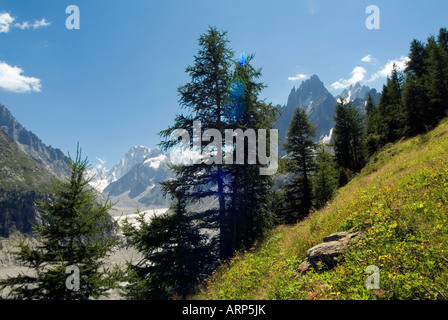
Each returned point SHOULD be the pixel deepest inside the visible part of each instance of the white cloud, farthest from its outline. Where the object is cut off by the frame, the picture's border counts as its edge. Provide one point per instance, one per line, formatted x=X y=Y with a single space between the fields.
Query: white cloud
x=299 y=77
x=37 y=24
x=7 y=22
x=358 y=75
x=368 y=58
x=41 y=23
x=12 y=79
x=387 y=69
x=23 y=25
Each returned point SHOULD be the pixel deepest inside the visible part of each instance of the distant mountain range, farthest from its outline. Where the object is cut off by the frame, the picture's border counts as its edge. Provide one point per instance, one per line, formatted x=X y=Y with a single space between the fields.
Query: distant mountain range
x=357 y=96
x=320 y=104
x=134 y=180
x=27 y=165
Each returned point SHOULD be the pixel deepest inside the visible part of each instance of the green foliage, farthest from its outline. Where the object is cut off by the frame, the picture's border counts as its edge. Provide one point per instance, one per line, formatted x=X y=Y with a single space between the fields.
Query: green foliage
x=398 y=203
x=436 y=82
x=22 y=181
x=391 y=111
x=175 y=254
x=349 y=137
x=325 y=179
x=300 y=148
x=414 y=102
x=77 y=231
x=372 y=127
x=250 y=192
x=204 y=97
x=241 y=215
x=425 y=93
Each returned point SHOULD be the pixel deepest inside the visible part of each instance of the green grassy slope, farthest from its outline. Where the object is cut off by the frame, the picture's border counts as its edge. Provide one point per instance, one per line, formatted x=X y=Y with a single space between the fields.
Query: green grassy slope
x=400 y=204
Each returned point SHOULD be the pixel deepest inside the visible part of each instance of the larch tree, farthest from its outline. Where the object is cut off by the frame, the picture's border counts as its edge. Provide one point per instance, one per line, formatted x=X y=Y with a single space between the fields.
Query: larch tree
x=203 y=96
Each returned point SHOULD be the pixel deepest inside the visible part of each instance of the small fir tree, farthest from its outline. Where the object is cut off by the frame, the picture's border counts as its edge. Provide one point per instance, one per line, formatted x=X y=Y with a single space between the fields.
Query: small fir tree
x=72 y=244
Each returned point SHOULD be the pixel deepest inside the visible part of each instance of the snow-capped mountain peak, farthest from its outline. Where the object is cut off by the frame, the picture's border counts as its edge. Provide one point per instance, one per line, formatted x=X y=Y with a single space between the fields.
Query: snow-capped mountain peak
x=354 y=92
x=134 y=180
x=135 y=155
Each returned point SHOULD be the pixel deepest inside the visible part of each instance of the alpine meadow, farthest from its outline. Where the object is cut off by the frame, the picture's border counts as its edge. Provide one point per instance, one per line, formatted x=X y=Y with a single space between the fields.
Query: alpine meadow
x=341 y=193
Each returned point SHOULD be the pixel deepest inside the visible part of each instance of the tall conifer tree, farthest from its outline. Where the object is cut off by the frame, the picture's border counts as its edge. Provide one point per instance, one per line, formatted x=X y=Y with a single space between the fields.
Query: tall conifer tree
x=251 y=191
x=300 y=149
x=349 y=137
x=372 y=127
x=221 y=99
x=414 y=92
x=391 y=110
x=204 y=98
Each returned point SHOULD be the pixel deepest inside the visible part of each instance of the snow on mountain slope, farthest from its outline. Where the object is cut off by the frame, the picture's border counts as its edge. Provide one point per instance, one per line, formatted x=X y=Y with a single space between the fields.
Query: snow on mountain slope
x=355 y=92
x=135 y=180
x=155 y=161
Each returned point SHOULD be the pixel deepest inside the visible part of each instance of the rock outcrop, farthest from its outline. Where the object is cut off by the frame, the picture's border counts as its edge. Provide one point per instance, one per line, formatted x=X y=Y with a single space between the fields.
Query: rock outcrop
x=328 y=252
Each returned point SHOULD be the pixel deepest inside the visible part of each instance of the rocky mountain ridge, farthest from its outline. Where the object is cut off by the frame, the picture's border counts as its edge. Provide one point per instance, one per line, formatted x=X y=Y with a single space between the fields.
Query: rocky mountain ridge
x=22 y=181
x=51 y=159
x=320 y=104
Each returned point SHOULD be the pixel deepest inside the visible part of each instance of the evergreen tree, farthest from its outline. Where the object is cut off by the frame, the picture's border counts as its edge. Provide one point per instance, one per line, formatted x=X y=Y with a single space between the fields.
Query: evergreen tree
x=414 y=92
x=417 y=57
x=442 y=39
x=77 y=235
x=372 y=125
x=436 y=82
x=391 y=109
x=349 y=137
x=325 y=180
x=176 y=255
x=300 y=149
x=224 y=100
x=414 y=102
x=250 y=191
x=204 y=97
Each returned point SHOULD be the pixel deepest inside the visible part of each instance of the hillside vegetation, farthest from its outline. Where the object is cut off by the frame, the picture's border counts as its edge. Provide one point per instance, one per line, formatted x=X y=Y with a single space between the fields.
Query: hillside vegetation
x=17 y=170
x=22 y=181
x=400 y=204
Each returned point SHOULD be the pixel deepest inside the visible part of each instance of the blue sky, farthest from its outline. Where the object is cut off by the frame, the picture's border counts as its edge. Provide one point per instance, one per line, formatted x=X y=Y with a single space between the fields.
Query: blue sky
x=113 y=83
